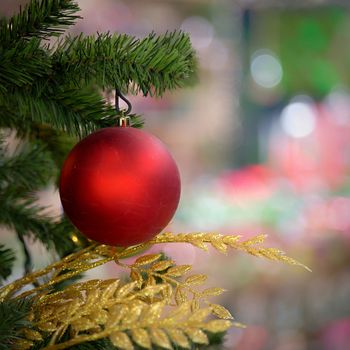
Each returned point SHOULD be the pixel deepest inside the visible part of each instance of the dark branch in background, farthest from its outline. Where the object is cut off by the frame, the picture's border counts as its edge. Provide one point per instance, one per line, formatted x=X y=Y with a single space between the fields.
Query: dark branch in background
x=28 y=264
x=27 y=257
x=39 y=18
x=7 y=258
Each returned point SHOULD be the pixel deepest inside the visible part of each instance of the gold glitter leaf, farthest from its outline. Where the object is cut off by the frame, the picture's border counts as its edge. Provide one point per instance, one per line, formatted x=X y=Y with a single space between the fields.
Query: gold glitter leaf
x=194 y=305
x=199 y=244
x=200 y=315
x=32 y=334
x=93 y=297
x=178 y=271
x=160 y=338
x=133 y=315
x=210 y=292
x=180 y=311
x=153 y=313
x=47 y=326
x=180 y=296
x=255 y=240
x=178 y=337
x=99 y=316
x=216 y=326
x=221 y=312
x=219 y=245
x=136 y=276
x=231 y=240
x=195 y=280
x=151 y=281
x=126 y=289
x=121 y=341
x=146 y=259
x=197 y=336
x=162 y=265
x=167 y=292
x=46 y=312
x=141 y=337
x=117 y=313
x=110 y=290
x=83 y=324
x=73 y=306
x=151 y=291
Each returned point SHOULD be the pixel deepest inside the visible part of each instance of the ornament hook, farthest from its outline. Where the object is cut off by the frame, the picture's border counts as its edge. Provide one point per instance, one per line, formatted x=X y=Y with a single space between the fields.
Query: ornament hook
x=117 y=95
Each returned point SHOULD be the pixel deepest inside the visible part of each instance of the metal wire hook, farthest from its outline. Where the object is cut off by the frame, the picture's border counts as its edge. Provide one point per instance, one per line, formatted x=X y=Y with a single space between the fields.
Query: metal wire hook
x=118 y=95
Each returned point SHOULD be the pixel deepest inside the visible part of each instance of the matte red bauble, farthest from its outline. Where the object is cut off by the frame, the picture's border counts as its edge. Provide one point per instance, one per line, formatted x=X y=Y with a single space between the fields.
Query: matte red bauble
x=120 y=186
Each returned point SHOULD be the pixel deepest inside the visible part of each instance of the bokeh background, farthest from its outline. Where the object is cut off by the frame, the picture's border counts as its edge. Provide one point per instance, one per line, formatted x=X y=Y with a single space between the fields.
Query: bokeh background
x=263 y=146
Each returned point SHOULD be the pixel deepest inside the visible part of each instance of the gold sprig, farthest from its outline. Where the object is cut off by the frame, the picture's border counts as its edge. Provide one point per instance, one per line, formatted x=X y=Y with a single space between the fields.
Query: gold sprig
x=96 y=255
x=125 y=313
x=146 y=270
x=223 y=242
x=135 y=312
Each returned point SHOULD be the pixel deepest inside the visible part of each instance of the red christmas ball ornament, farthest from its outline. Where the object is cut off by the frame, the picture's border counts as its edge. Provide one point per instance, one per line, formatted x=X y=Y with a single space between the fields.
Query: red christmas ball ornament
x=120 y=186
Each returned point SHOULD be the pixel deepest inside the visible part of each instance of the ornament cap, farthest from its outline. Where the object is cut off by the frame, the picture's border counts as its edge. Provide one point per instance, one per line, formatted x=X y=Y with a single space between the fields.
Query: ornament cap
x=124 y=121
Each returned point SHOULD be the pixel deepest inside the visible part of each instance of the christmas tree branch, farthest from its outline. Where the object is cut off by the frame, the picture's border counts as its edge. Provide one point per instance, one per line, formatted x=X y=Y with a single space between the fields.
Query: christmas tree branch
x=27 y=257
x=57 y=143
x=40 y=18
x=7 y=258
x=27 y=219
x=22 y=64
x=36 y=161
x=77 y=111
x=24 y=217
x=13 y=319
x=150 y=65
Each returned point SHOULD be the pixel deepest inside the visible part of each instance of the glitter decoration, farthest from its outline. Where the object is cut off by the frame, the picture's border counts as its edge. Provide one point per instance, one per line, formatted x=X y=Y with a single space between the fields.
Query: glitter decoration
x=163 y=304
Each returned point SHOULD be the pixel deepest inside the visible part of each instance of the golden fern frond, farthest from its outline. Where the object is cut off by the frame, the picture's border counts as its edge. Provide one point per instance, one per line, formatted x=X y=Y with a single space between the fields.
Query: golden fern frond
x=134 y=312
x=126 y=313
x=141 y=323
x=223 y=242
x=96 y=255
x=147 y=270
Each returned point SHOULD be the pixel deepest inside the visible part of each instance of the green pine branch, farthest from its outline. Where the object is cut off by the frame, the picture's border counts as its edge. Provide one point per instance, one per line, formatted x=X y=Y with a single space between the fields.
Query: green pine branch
x=151 y=65
x=22 y=64
x=27 y=219
x=56 y=142
x=75 y=111
x=61 y=240
x=38 y=165
x=13 y=318
x=7 y=258
x=42 y=19
x=24 y=217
